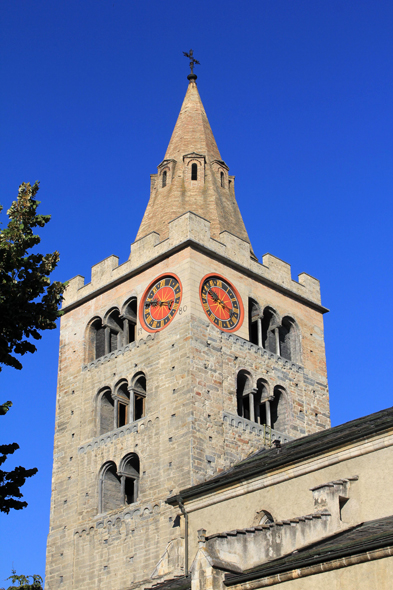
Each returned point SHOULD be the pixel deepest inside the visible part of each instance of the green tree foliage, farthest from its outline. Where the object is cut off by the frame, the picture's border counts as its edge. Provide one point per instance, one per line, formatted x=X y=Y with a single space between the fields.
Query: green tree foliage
x=11 y=481
x=29 y=303
x=23 y=582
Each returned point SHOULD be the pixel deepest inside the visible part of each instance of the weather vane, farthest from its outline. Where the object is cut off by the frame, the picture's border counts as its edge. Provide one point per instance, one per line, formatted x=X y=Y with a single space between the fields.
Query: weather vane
x=193 y=61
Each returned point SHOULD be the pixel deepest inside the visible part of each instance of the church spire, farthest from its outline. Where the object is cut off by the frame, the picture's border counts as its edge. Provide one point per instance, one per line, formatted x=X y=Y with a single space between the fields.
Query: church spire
x=193 y=177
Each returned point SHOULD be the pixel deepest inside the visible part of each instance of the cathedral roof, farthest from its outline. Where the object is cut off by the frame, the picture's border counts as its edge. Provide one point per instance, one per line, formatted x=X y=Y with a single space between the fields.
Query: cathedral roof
x=364 y=537
x=300 y=449
x=211 y=196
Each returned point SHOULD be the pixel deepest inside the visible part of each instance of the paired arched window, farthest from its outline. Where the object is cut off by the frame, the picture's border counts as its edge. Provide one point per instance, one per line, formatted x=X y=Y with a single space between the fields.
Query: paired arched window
x=115 y=331
x=258 y=405
x=164 y=178
x=118 y=487
x=194 y=171
x=123 y=405
x=267 y=330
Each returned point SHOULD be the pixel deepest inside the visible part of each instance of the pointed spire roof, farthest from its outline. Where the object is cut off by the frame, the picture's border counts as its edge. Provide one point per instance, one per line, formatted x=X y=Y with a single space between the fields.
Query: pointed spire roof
x=192 y=132
x=210 y=197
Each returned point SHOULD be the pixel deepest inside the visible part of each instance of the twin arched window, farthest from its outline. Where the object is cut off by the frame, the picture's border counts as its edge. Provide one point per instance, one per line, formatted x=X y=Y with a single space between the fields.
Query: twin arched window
x=113 y=332
x=257 y=405
x=118 y=487
x=282 y=337
x=123 y=405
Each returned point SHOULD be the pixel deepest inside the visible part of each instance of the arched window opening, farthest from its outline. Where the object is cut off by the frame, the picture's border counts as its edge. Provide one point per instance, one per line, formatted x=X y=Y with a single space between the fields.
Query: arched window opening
x=265 y=517
x=164 y=179
x=129 y=475
x=222 y=178
x=140 y=396
x=270 y=331
x=194 y=171
x=254 y=323
x=129 y=316
x=245 y=396
x=137 y=397
x=110 y=490
x=122 y=401
x=96 y=343
x=263 y=415
x=279 y=410
x=106 y=412
x=289 y=340
x=114 y=332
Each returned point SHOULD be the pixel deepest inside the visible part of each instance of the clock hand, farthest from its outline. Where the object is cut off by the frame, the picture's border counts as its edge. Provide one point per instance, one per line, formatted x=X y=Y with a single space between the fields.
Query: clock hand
x=216 y=298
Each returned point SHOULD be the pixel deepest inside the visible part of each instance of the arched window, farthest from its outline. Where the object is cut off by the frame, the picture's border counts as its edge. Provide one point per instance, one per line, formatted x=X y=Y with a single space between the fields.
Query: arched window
x=289 y=340
x=114 y=332
x=263 y=517
x=262 y=403
x=96 y=340
x=245 y=396
x=129 y=475
x=281 y=337
x=122 y=405
x=164 y=179
x=270 y=334
x=254 y=322
x=110 y=488
x=194 y=171
x=129 y=316
x=279 y=409
x=106 y=411
x=137 y=392
x=222 y=178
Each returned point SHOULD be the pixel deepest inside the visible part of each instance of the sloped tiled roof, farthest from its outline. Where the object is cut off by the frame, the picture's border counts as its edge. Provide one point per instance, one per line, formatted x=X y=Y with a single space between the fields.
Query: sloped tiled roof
x=178 y=583
x=368 y=536
x=300 y=449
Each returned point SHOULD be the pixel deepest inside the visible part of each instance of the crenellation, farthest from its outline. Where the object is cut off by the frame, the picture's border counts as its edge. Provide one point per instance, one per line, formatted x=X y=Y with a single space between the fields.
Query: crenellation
x=192 y=230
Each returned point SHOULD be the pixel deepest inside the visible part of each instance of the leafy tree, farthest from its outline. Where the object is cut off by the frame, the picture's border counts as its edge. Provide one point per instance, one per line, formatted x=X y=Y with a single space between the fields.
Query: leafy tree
x=11 y=481
x=29 y=303
x=23 y=582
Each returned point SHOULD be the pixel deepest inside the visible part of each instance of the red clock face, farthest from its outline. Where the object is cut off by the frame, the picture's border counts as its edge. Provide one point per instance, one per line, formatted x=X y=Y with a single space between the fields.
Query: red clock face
x=160 y=303
x=222 y=303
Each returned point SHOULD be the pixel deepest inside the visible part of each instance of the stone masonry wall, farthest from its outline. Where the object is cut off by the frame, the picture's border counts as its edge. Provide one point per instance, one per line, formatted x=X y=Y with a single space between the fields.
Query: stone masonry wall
x=183 y=439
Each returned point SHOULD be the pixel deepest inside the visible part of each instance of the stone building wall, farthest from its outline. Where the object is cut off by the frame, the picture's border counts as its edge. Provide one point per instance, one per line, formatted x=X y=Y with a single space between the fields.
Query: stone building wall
x=188 y=432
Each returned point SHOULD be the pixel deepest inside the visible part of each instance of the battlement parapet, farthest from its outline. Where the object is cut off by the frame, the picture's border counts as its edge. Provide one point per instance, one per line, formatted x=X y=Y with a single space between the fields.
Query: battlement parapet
x=186 y=230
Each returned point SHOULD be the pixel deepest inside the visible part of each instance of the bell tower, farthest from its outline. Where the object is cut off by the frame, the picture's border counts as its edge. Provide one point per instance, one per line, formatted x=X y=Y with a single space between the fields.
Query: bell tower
x=173 y=366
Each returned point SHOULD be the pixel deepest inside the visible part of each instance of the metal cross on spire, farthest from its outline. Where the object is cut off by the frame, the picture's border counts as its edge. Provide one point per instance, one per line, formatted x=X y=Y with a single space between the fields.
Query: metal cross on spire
x=193 y=61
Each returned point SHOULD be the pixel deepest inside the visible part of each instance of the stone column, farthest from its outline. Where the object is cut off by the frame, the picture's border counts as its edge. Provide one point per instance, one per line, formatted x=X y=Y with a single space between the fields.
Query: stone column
x=115 y=413
x=126 y=332
x=268 y=414
x=131 y=405
x=136 y=489
x=259 y=326
x=107 y=340
x=123 y=489
x=277 y=335
x=251 y=406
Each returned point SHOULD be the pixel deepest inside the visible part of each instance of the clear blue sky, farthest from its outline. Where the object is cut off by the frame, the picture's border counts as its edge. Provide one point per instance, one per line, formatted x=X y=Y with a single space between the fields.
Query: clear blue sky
x=299 y=97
